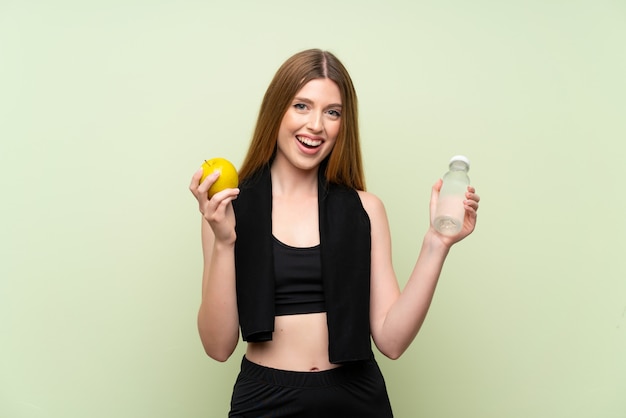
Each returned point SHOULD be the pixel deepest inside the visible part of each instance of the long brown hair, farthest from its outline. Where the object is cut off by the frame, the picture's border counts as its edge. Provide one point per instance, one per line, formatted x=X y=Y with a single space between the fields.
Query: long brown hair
x=344 y=165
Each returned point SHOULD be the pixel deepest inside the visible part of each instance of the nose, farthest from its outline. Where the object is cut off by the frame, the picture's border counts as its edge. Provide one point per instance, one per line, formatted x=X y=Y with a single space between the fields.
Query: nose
x=315 y=122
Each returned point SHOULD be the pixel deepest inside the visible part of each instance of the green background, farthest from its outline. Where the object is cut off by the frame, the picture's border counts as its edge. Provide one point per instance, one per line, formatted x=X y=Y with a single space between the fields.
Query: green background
x=108 y=107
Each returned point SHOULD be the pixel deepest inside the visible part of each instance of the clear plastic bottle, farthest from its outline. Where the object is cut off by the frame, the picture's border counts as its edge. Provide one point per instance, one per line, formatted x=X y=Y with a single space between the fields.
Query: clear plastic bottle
x=450 y=212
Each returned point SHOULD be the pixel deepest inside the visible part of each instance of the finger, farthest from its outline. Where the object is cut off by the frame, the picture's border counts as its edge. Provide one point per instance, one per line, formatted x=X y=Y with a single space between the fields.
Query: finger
x=223 y=205
x=208 y=182
x=472 y=199
x=471 y=213
x=195 y=180
x=471 y=206
x=471 y=195
x=434 y=195
x=225 y=194
x=219 y=199
x=221 y=208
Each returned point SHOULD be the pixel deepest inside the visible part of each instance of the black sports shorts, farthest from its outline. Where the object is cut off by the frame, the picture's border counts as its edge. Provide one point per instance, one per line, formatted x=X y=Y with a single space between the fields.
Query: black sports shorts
x=352 y=390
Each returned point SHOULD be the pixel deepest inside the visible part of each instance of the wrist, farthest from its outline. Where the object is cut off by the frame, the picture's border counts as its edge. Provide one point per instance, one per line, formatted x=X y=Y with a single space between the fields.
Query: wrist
x=437 y=242
x=225 y=244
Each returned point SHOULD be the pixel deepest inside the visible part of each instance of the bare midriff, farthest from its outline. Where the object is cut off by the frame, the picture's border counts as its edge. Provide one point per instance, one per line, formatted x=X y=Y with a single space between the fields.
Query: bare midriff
x=299 y=343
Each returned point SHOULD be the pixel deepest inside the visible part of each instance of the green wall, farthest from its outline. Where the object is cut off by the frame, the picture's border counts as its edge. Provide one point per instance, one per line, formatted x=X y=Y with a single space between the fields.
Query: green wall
x=108 y=107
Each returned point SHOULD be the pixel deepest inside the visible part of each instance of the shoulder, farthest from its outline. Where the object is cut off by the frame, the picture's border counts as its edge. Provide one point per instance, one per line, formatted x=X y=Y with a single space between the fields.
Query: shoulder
x=377 y=215
x=372 y=204
x=353 y=198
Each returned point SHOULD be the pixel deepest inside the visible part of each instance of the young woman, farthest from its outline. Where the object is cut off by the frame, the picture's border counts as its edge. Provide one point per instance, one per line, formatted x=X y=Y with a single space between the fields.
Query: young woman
x=299 y=257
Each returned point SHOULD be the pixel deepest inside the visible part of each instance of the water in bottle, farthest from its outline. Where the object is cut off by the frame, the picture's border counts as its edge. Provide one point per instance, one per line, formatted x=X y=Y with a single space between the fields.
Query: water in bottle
x=450 y=212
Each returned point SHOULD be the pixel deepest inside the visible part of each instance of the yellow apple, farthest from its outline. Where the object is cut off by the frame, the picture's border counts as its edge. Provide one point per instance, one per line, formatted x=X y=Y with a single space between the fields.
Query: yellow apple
x=228 y=178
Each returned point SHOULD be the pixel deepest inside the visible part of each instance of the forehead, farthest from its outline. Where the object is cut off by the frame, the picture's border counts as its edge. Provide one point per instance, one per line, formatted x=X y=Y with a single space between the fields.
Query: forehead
x=320 y=90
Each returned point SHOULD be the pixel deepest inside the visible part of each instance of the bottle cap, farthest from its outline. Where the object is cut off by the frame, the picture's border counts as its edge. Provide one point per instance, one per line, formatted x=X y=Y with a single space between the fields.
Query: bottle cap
x=462 y=158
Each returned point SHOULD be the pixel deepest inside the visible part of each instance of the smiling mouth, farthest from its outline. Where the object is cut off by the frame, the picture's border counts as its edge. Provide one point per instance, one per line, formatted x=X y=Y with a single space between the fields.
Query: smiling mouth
x=308 y=142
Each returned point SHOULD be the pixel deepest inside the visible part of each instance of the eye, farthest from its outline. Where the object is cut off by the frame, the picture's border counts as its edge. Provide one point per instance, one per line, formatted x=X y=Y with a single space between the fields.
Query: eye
x=334 y=113
x=299 y=106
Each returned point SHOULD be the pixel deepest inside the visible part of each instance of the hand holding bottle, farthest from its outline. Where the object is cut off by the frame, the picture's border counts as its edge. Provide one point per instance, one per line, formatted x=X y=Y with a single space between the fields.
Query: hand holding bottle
x=457 y=202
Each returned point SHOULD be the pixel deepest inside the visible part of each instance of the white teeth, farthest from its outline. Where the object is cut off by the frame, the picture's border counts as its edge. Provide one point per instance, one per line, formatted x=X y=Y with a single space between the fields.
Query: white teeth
x=308 y=141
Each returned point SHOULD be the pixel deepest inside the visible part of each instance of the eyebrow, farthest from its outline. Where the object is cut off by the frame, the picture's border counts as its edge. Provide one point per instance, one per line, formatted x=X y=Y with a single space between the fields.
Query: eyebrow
x=309 y=101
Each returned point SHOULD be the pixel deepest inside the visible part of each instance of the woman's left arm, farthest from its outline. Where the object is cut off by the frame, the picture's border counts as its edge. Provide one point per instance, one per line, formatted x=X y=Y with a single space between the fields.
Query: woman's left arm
x=396 y=316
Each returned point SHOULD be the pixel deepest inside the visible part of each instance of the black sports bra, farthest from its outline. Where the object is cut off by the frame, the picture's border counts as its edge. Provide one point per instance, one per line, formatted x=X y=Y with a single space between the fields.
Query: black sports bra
x=298 y=280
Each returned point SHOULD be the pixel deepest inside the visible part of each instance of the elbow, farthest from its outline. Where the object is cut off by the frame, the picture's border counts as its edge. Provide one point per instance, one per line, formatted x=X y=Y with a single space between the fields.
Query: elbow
x=392 y=351
x=393 y=354
x=217 y=353
x=221 y=357
x=219 y=349
x=218 y=344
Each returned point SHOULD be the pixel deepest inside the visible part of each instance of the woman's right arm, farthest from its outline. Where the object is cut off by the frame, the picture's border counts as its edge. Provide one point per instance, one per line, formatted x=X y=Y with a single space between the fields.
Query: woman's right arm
x=218 y=321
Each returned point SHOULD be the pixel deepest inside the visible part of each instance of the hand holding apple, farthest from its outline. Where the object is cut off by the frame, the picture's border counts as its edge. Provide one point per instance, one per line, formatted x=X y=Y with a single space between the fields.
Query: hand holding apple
x=228 y=178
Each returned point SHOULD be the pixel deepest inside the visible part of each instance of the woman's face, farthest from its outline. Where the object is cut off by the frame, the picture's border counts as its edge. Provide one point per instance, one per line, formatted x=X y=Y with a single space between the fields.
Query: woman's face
x=311 y=124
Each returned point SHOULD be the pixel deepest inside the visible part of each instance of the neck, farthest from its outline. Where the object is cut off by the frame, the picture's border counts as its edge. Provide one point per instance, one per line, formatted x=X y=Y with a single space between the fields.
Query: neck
x=288 y=180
